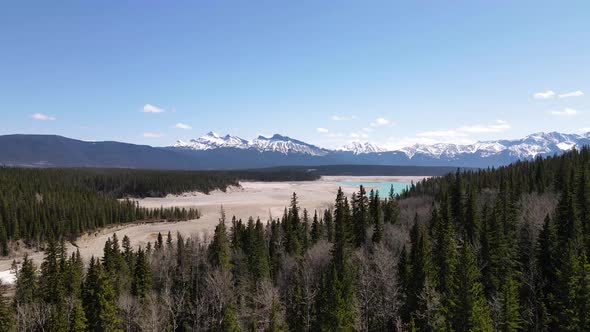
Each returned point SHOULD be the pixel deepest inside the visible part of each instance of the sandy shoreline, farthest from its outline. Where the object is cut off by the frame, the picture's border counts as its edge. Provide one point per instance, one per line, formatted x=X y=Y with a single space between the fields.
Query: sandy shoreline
x=256 y=199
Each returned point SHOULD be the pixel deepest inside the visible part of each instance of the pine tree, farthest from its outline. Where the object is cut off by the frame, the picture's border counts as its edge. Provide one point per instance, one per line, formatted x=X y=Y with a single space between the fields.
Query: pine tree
x=219 y=249
x=276 y=319
x=336 y=305
x=472 y=218
x=292 y=226
x=142 y=276
x=404 y=275
x=422 y=275
x=6 y=314
x=159 y=242
x=510 y=319
x=377 y=218
x=470 y=311
x=99 y=300
x=391 y=213
x=444 y=255
x=230 y=322
x=77 y=319
x=360 y=216
x=26 y=282
x=457 y=203
x=548 y=260
x=259 y=264
x=329 y=225
x=3 y=239
x=316 y=229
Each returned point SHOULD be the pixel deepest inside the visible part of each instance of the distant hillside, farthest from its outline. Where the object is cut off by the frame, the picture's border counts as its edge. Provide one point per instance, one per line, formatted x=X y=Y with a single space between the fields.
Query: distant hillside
x=214 y=152
x=370 y=170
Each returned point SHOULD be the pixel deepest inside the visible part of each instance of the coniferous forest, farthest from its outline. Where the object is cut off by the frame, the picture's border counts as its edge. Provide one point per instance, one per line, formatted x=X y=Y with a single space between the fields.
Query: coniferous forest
x=479 y=250
x=39 y=204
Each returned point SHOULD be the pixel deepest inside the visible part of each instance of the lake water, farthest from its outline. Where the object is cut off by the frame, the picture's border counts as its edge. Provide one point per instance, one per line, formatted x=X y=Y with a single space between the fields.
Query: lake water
x=383 y=187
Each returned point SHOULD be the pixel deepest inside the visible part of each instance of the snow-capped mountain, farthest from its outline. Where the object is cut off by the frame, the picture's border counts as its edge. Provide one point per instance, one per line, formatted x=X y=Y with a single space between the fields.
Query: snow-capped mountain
x=276 y=143
x=498 y=152
x=362 y=147
x=285 y=145
x=212 y=140
x=213 y=151
x=526 y=148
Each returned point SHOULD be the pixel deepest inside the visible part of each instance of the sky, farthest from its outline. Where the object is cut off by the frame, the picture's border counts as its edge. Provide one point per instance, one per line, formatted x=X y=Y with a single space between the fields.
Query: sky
x=389 y=72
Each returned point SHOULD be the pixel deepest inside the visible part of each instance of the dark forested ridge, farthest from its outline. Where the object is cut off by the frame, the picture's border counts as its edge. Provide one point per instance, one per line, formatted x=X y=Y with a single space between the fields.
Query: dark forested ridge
x=488 y=250
x=38 y=204
x=368 y=170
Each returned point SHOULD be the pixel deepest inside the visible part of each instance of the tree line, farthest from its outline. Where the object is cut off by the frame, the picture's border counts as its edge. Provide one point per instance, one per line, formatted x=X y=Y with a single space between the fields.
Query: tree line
x=38 y=204
x=477 y=250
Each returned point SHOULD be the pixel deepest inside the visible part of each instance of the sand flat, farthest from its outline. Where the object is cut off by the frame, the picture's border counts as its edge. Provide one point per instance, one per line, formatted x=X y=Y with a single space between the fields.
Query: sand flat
x=256 y=199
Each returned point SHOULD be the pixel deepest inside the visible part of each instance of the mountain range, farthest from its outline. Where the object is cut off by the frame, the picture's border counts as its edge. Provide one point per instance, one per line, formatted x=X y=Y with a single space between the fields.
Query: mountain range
x=213 y=151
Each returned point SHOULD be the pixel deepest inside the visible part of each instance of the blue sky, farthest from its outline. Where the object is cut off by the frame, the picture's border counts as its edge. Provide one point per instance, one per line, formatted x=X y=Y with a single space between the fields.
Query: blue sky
x=326 y=72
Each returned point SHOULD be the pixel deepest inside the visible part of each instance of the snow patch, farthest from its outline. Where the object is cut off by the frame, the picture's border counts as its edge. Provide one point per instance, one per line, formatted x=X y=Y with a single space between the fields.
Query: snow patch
x=7 y=277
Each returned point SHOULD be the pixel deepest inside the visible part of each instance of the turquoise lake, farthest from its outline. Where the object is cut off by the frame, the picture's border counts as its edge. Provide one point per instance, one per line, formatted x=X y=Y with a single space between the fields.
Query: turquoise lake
x=382 y=187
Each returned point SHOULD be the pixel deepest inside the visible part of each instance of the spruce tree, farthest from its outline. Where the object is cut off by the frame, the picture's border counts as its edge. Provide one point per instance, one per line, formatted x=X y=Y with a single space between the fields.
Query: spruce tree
x=219 y=249
x=141 y=284
x=337 y=310
x=316 y=229
x=26 y=282
x=360 y=216
x=6 y=313
x=470 y=311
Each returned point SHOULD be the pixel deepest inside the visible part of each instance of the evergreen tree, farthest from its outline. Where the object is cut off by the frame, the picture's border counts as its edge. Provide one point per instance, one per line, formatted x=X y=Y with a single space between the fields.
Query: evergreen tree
x=26 y=282
x=422 y=275
x=276 y=320
x=230 y=322
x=360 y=216
x=391 y=213
x=510 y=319
x=377 y=218
x=336 y=304
x=470 y=311
x=219 y=249
x=77 y=319
x=99 y=300
x=142 y=276
x=6 y=314
x=316 y=229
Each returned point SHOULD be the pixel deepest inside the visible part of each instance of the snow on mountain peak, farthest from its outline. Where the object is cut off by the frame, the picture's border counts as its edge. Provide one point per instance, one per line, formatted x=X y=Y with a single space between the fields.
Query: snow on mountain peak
x=275 y=143
x=530 y=146
x=358 y=147
x=285 y=145
x=212 y=140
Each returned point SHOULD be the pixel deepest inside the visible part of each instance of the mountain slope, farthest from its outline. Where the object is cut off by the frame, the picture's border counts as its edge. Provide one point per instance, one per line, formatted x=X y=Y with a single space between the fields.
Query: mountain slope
x=213 y=151
x=276 y=143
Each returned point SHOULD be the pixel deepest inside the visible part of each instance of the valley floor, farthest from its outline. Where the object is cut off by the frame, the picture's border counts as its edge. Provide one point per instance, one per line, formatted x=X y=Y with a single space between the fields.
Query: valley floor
x=256 y=199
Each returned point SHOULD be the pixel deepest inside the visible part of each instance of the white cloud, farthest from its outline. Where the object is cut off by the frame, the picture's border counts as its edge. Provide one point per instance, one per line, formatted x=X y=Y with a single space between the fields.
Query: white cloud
x=584 y=130
x=149 y=108
x=544 y=95
x=367 y=129
x=153 y=135
x=441 y=133
x=464 y=131
x=343 y=117
x=577 y=93
x=395 y=143
x=322 y=130
x=359 y=135
x=500 y=126
x=42 y=117
x=184 y=126
x=566 y=112
x=380 y=122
